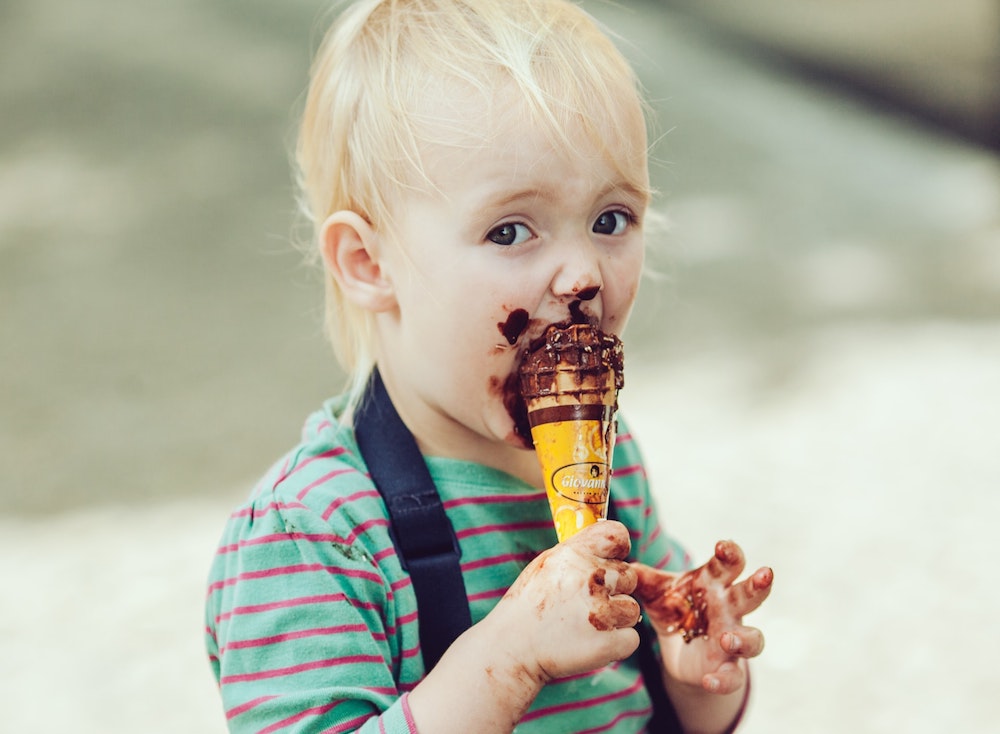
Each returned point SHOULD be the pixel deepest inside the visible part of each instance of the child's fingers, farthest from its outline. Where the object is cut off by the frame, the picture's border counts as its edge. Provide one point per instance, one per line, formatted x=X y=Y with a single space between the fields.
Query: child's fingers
x=728 y=678
x=607 y=539
x=622 y=642
x=652 y=583
x=616 y=613
x=613 y=579
x=744 y=642
x=620 y=577
x=727 y=563
x=751 y=593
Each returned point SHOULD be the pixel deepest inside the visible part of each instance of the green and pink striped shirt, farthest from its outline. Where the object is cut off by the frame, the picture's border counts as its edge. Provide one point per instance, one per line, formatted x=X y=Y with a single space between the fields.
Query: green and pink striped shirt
x=312 y=623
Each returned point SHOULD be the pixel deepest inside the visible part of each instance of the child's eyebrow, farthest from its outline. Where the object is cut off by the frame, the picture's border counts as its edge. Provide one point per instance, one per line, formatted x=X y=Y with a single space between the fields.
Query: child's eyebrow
x=551 y=194
x=534 y=193
x=629 y=190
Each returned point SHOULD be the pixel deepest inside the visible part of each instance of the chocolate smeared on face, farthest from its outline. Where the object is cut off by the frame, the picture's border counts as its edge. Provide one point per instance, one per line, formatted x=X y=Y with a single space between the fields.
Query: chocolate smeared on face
x=514 y=326
x=577 y=314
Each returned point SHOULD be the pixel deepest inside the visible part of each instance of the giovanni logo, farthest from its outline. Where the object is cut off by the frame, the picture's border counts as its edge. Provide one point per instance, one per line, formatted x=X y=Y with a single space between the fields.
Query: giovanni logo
x=585 y=482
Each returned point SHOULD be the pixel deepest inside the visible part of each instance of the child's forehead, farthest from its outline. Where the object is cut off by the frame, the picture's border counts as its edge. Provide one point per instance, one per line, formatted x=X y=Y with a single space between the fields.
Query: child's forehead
x=459 y=121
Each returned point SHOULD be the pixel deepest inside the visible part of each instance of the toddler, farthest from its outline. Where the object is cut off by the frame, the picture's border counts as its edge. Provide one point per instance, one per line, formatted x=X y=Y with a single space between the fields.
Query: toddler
x=475 y=170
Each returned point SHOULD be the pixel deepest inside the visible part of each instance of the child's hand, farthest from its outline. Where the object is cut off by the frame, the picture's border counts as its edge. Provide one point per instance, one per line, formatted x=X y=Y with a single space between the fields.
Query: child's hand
x=698 y=617
x=570 y=611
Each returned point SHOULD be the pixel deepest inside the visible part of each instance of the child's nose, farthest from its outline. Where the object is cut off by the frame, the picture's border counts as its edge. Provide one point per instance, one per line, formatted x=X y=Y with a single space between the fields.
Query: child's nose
x=579 y=273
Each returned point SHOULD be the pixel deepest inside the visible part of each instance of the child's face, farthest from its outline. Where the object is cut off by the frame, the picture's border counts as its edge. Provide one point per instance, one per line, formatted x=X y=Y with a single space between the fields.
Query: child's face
x=516 y=236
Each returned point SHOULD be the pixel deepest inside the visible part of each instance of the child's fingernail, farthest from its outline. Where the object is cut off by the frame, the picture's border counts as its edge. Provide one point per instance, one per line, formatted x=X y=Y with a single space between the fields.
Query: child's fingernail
x=713 y=684
x=734 y=643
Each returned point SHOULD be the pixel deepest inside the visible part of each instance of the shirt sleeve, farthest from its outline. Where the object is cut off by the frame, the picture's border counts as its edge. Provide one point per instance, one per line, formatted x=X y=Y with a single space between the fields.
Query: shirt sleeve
x=302 y=630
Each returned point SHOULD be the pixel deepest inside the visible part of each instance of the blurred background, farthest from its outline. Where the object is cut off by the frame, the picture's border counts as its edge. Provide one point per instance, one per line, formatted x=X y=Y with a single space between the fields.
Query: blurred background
x=814 y=364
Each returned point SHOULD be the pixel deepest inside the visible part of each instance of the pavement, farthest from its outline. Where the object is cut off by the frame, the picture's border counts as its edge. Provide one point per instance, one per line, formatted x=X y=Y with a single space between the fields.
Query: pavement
x=813 y=363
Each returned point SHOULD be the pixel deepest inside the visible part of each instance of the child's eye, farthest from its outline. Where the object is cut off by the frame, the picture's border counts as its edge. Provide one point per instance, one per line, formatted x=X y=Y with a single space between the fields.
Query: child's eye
x=509 y=234
x=613 y=222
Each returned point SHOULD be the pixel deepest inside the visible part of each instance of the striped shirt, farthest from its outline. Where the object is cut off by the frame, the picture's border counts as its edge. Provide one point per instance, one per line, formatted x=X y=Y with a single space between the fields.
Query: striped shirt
x=312 y=623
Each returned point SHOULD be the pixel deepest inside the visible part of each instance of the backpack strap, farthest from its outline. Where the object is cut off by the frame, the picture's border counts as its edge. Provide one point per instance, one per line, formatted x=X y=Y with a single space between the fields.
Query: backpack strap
x=424 y=538
x=428 y=547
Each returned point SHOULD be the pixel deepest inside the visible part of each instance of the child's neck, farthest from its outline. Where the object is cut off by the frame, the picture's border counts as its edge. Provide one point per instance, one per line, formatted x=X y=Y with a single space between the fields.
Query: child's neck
x=455 y=441
x=440 y=435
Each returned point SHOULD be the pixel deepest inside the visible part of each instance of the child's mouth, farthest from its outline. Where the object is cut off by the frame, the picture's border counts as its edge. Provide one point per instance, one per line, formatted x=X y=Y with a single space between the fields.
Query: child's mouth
x=519 y=321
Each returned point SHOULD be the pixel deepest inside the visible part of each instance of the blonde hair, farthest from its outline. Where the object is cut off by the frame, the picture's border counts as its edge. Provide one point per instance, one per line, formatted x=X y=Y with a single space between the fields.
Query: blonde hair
x=367 y=108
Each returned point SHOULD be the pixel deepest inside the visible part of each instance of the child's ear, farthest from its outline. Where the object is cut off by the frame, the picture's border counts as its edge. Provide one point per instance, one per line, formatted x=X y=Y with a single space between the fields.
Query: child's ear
x=349 y=246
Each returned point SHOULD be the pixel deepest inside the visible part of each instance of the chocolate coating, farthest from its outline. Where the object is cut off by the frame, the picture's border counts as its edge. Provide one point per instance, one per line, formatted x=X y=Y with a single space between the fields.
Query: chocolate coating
x=575 y=360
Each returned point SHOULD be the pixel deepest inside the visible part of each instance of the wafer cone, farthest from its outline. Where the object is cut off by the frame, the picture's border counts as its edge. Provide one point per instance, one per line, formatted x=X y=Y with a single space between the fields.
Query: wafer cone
x=569 y=381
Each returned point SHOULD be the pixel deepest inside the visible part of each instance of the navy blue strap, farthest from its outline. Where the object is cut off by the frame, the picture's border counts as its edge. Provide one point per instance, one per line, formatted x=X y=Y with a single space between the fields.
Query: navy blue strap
x=421 y=531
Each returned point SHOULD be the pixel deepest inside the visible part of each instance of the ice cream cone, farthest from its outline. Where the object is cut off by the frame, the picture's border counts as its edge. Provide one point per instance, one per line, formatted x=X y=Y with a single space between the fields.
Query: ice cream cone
x=569 y=381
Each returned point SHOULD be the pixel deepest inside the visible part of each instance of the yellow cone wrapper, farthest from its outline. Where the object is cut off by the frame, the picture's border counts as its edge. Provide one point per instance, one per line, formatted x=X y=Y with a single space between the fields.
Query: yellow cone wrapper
x=570 y=381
